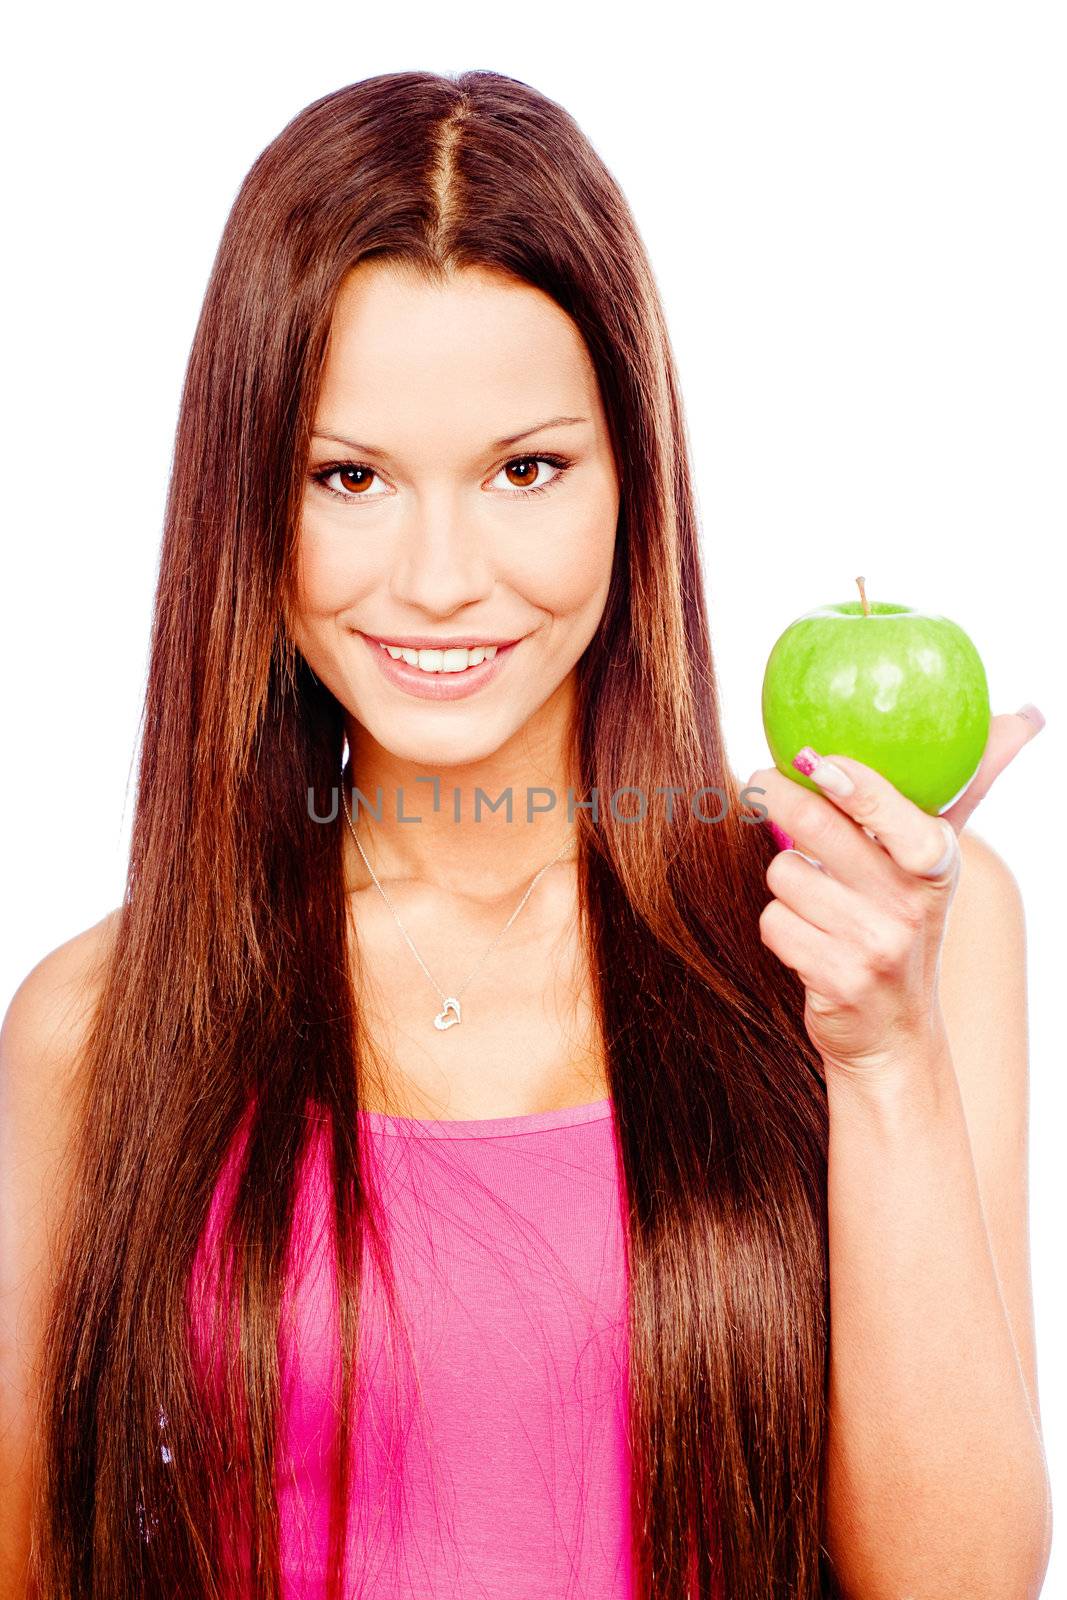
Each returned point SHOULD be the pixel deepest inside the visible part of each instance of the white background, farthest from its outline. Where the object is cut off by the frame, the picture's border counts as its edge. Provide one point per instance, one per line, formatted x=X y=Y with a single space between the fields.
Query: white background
x=856 y=217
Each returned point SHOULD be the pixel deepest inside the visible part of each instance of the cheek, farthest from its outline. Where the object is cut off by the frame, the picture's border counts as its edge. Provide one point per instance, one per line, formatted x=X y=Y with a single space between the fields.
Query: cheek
x=567 y=570
x=330 y=570
x=331 y=578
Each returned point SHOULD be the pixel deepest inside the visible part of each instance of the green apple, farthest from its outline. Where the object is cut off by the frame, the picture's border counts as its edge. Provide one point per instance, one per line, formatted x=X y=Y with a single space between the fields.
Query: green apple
x=902 y=690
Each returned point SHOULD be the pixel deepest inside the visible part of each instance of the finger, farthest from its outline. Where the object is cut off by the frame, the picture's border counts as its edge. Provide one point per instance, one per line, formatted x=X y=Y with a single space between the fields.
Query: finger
x=801 y=884
x=915 y=841
x=822 y=831
x=814 y=955
x=1007 y=735
x=784 y=842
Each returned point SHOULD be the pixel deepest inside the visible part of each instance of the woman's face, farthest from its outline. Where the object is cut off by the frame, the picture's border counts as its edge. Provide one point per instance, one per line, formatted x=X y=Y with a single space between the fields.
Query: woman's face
x=415 y=522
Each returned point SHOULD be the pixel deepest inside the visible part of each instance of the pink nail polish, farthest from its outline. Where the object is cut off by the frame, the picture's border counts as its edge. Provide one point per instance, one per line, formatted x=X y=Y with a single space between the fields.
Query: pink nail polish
x=824 y=773
x=805 y=760
x=780 y=837
x=1032 y=714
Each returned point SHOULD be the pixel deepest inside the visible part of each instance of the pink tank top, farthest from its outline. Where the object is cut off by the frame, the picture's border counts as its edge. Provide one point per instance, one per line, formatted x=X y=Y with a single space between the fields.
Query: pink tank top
x=510 y=1478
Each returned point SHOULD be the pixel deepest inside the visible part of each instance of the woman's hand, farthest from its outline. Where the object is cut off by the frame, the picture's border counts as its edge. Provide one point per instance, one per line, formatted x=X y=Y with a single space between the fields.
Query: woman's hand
x=862 y=924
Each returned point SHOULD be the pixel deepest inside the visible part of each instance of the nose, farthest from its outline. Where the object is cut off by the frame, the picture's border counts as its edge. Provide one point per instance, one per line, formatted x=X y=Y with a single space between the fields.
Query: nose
x=443 y=560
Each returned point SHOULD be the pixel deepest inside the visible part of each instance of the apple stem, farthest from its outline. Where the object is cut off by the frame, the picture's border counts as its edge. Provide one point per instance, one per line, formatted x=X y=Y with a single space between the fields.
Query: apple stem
x=863 y=598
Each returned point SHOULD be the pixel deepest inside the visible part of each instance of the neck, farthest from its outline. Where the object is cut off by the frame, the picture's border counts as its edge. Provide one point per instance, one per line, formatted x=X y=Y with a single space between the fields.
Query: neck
x=459 y=843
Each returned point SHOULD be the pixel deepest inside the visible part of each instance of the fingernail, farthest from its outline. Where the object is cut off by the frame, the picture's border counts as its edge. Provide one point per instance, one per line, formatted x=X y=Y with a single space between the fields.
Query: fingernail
x=1032 y=714
x=780 y=837
x=824 y=773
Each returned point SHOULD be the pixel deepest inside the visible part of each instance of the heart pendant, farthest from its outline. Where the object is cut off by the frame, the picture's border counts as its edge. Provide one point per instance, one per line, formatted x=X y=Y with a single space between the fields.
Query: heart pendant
x=442 y=1019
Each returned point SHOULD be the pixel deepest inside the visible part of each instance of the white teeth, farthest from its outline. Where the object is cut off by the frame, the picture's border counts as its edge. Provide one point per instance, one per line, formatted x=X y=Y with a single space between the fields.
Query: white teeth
x=442 y=660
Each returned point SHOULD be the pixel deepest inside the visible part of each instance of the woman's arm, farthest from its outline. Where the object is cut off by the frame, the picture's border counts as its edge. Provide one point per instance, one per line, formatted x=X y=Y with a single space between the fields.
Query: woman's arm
x=937 y=1484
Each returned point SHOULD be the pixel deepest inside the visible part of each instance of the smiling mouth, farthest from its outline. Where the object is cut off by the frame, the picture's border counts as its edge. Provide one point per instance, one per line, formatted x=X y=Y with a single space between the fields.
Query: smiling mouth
x=442 y=661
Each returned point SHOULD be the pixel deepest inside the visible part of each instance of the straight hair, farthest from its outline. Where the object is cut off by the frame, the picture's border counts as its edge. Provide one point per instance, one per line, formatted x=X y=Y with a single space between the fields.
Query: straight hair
x=228 y=999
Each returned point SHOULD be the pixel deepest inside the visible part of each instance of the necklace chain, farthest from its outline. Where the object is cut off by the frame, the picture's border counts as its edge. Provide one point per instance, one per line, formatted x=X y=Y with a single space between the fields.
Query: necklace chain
x=450 y=1013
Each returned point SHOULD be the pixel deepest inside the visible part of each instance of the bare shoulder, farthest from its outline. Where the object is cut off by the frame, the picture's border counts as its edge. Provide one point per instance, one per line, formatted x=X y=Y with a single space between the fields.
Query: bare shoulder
x=44 y=1029
x=982 y=863
x=41 y=1043
x=46 y=1023
x=983 y=966
x=982 y=984
x=49 y=1002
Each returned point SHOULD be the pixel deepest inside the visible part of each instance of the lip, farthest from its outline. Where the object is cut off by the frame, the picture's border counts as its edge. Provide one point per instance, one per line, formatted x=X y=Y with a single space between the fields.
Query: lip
x=427 y=641
x=438 y=685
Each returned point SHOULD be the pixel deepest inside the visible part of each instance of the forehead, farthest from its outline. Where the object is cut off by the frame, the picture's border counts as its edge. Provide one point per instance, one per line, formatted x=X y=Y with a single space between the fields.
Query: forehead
x=480 y=349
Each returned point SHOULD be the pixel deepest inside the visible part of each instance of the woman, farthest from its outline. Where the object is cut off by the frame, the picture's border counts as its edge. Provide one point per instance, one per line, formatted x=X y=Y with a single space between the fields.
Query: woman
x=612 y=1130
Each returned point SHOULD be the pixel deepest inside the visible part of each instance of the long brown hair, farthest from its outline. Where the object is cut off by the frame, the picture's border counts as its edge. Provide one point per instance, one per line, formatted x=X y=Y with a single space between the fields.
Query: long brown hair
x=229 y=991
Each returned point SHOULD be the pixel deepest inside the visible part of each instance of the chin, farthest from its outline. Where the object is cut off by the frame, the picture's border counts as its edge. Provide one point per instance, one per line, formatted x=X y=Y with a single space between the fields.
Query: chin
x=437 y=746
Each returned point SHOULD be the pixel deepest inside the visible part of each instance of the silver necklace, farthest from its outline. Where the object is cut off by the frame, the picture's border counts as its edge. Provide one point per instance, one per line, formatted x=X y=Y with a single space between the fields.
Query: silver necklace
x=449 y=1013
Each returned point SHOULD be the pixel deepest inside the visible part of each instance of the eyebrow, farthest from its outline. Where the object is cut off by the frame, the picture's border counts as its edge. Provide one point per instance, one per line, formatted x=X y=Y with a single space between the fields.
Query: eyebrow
x=498 y=444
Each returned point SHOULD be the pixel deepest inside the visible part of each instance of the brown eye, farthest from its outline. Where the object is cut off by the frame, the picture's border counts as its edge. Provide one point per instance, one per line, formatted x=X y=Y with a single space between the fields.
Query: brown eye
x=530 y=463
x=525 y=468
x=354 y=478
